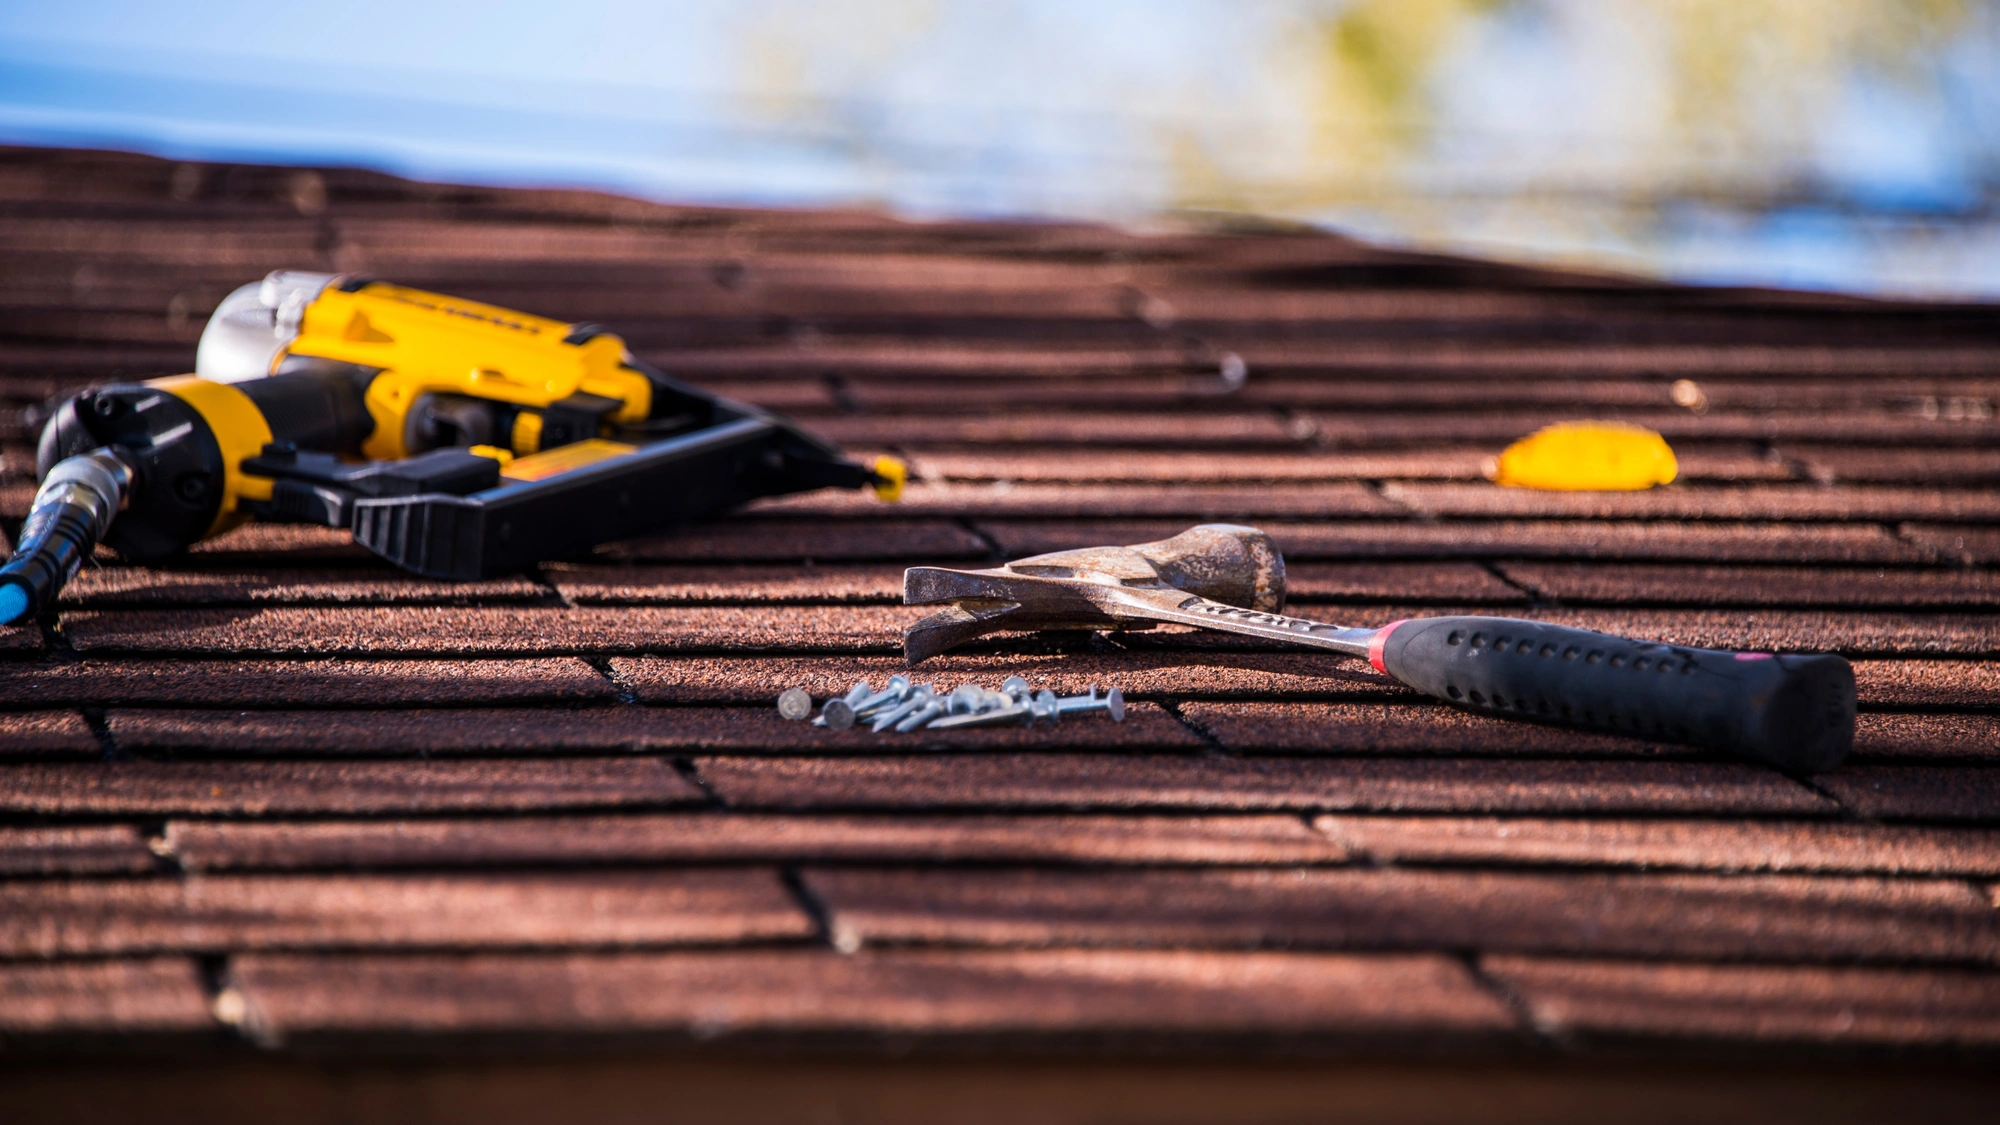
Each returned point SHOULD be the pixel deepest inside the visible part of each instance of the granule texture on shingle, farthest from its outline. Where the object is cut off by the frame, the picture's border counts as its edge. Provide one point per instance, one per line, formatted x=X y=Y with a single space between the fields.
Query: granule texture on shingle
x=1402 y=728
x=15 y=639
x=1962 y=793
x=835 y=583
x=100 y=587
x=1235 y=429
x=908 y=991
x=1963 y=737
x=255 y=788
x=1653 y=541
x=1194 y=503
x=1952 y=1007
x=311 y=683
x=153 y=994
x=44 y=733
x=712 y=837
x=1681 y=915
x=483 y=730
x=782 y=540
x=1190 y=781
x=287 y=544
x=1173 y=468
x=511 y=730
x=212 y=912
x=762 y=584
x=1429 y=581
x=1748 y=502
x=483 y=630
x=1685 y=843
x=1898 y=466
x=74 y=849
x=1971 y=543
x=1928 y=683
x=1761 y=585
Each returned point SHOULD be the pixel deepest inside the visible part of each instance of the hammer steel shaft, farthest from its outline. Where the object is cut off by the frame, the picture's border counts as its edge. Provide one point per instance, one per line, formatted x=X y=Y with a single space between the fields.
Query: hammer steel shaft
x=1177 y=608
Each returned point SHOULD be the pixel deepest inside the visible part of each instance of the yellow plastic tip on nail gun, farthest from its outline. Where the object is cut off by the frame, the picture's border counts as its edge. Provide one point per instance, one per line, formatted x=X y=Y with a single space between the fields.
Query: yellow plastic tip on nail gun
x=890 y=475
x=498 y=454
x=1587 y=457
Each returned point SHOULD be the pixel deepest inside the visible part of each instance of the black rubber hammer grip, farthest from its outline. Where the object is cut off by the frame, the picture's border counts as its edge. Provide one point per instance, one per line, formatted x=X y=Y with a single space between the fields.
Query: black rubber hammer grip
x=1794 y=712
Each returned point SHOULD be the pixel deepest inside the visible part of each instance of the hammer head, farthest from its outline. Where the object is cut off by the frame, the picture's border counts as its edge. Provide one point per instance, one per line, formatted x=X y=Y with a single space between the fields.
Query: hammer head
x=1222 y=562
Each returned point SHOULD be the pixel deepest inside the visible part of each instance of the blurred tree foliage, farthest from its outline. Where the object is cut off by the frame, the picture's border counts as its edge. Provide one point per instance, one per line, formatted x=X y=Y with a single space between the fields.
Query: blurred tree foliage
x=1733 y=93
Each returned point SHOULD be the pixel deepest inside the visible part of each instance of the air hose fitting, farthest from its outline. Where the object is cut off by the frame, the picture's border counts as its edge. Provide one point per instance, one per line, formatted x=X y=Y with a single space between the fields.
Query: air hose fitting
x=72 y=511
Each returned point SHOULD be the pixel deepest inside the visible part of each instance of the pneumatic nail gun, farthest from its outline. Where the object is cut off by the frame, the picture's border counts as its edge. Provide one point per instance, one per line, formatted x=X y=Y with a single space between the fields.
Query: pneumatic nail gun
x=453 y=438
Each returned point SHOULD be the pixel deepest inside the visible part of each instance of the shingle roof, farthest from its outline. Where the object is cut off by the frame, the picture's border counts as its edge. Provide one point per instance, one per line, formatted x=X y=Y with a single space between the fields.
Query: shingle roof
x=277 y=794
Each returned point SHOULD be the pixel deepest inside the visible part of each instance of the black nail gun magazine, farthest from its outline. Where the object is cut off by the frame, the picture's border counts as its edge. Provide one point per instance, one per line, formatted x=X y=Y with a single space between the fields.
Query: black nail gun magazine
x=455 y=439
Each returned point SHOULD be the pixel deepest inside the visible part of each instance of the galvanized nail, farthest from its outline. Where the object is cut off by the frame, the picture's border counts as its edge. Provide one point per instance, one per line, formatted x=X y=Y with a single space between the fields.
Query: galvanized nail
x=836 y=715
x=854 y=695
x=1112 y=704
x=919 y=696
x=899 y=686
x=1019 y=713
x=923 y=717
x=795 y=704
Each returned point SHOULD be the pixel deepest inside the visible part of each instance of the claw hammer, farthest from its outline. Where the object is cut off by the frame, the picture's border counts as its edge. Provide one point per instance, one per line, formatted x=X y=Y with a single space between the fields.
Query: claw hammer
x=1793 y=711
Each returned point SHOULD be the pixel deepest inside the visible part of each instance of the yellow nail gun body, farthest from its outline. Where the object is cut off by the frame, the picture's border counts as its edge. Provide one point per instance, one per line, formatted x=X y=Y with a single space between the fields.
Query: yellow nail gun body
x=456 y=439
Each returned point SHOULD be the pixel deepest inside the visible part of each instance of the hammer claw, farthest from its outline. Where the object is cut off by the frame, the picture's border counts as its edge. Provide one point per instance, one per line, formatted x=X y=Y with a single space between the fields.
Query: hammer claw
x=1095 y=587
x=953 y=626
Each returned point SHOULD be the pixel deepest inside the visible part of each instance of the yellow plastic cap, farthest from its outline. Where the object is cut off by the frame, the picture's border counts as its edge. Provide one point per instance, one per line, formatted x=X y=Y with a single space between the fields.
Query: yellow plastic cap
x=890 y=476
x=1587 y=457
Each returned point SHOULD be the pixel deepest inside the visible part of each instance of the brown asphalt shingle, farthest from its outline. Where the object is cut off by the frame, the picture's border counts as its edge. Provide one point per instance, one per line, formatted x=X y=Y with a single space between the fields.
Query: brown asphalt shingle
x=925 y=992
x=1963 y=793
x=32 y=733
x=708 y=837
x=1928 y=683
x=336 y=683
x=80 y=849
x=146 y=995
x=1190 y=781
x=1719 y=845
x=608 y=728
x=798 y=541
x=276 y=789
x=1580 y=583
x=1761 y=1002
x=1760 y=917
x=221 y=912
x=1452 y=539
x=129 y=788
x=135 y=586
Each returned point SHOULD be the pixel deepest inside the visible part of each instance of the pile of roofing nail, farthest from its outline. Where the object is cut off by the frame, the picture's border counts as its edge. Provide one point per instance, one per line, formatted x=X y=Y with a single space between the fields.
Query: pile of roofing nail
x=904 y=706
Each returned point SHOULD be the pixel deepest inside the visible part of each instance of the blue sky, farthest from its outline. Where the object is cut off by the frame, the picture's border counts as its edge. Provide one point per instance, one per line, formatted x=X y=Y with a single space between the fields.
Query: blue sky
x=1549 y=129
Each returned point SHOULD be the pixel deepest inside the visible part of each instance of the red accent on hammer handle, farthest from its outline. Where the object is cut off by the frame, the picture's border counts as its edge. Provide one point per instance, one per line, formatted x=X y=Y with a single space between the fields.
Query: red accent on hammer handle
x=1376 y=642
